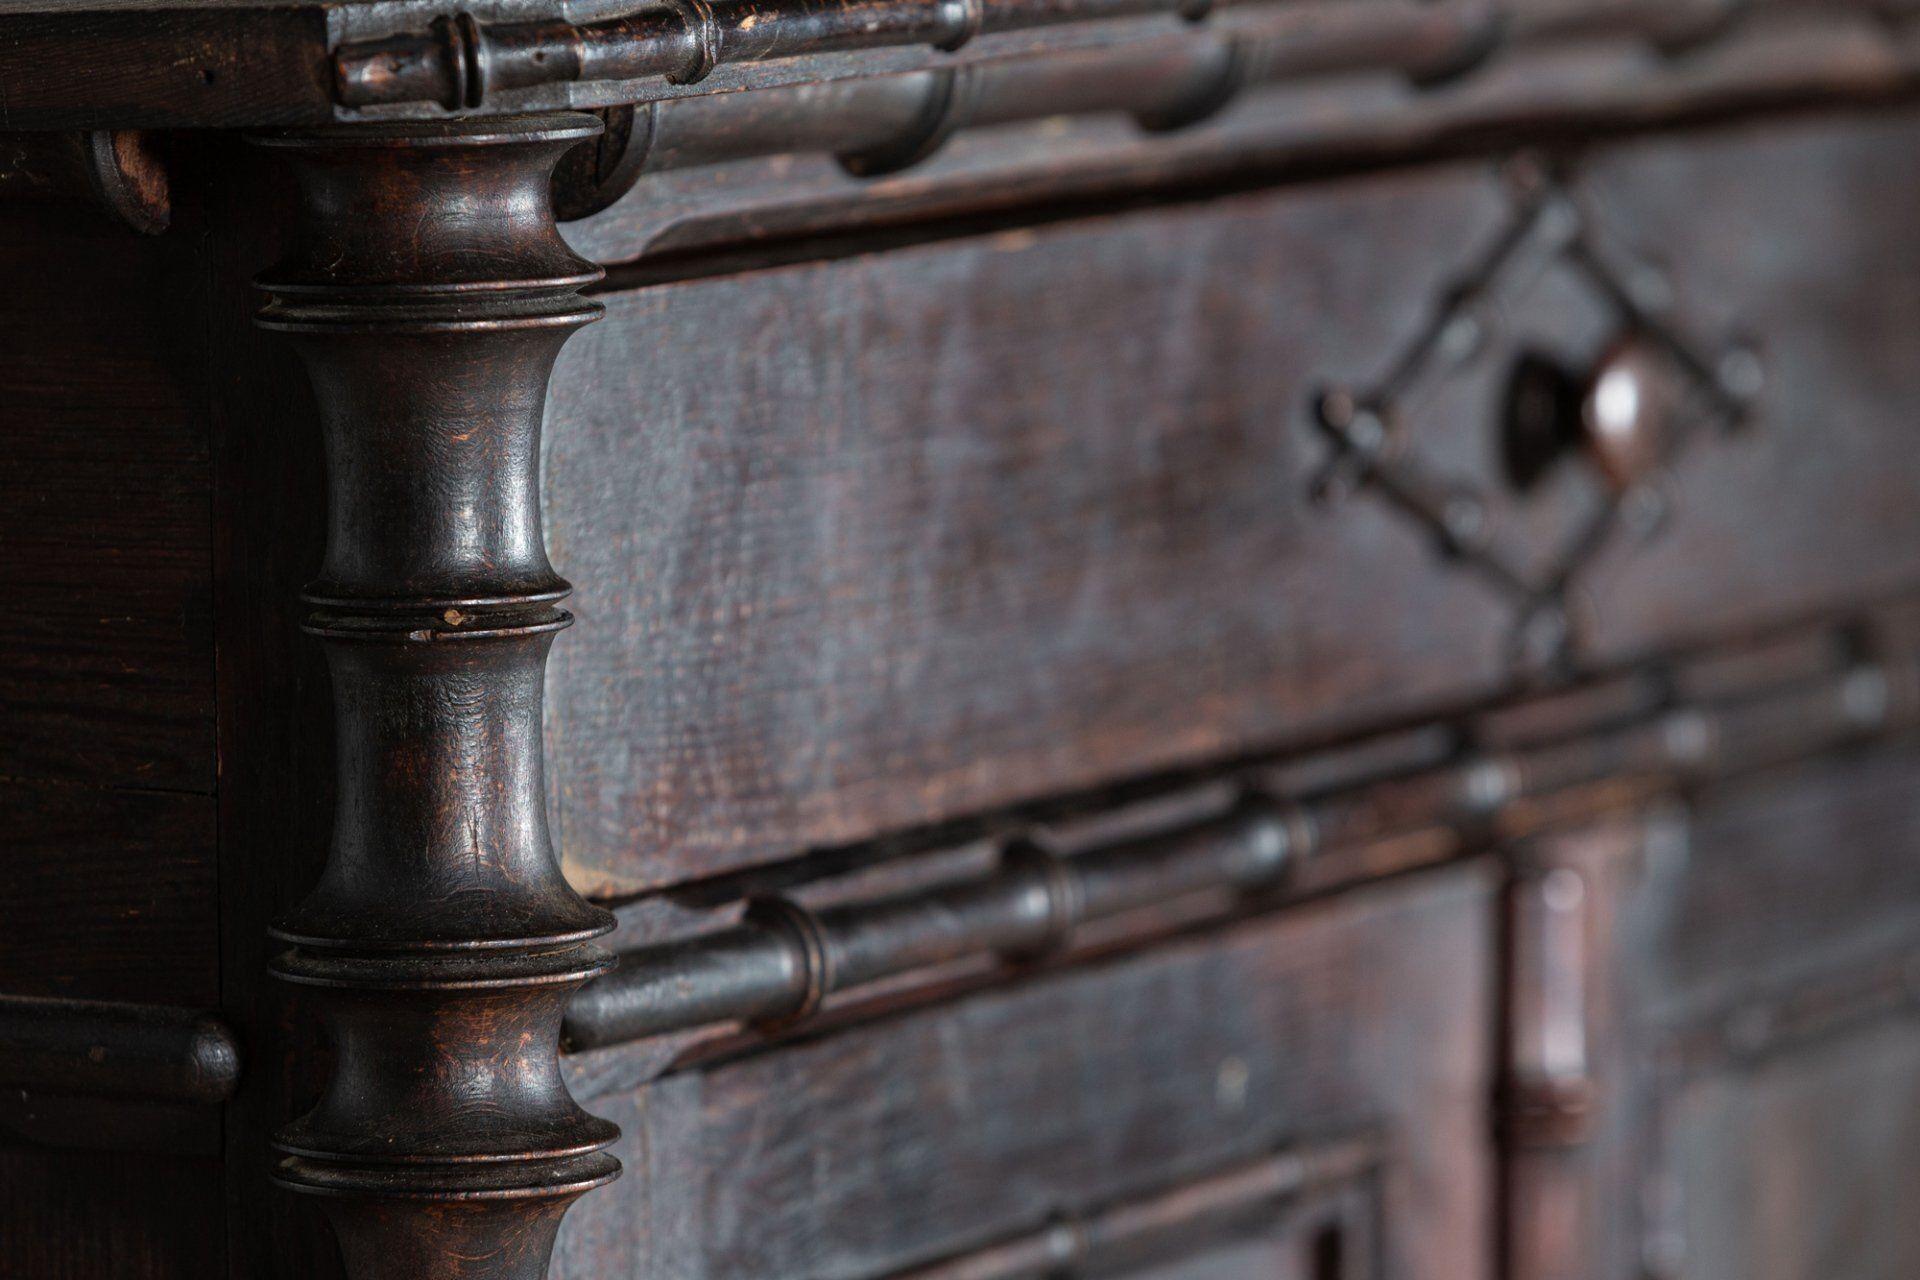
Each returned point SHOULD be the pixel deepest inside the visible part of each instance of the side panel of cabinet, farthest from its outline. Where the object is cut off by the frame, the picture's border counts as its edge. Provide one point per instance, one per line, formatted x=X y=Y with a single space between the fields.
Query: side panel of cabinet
x=107 y=772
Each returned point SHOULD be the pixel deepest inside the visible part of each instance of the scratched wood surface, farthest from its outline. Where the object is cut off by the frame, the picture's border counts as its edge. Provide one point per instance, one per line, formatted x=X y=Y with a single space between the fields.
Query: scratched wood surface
x=913 y=1138
x=1787 y=953
x=975 y=521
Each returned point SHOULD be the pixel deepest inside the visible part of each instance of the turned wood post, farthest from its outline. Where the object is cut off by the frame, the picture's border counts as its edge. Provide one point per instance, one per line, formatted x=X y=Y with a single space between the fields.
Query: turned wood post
x=429 y=293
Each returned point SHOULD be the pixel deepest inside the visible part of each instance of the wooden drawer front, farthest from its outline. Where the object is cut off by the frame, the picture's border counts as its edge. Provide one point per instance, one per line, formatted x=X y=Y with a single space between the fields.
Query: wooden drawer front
x=867 y=543
x=901 y=1142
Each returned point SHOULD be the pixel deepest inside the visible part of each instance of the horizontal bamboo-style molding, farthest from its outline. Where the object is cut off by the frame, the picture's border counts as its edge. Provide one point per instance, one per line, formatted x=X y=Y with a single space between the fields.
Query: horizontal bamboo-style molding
x=1155 y=118
x=880 y=124
x=782 y=961
x=100 y=1049
x=1233 y=1200
x=462 y=63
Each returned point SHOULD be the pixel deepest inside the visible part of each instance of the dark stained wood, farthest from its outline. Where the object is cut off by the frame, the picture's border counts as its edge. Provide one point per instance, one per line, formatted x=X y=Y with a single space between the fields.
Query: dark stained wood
x=917 y=1137
x=1755 y=895
x=106 y=647
x=900 y=529
x=474 y=63
x=1247 y=840
x=77 y=1214
x=275 y=721
x=109 y=927
x=428 y=292
x=1830 y=1131
x=108 y=883
x=1102 y=487
x=262 y=62
x=1158 y=117
x=157 y=65
x=1101 y=770
x=108 y=895
x=120 y=173
x=1290 y=1202
x=101 y=1047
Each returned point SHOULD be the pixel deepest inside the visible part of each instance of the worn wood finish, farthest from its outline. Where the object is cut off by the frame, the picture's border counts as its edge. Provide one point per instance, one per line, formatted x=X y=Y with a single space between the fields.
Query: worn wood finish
x=1070 y=714
x=1290 y=1201
x=428 y=293
x=1141 y=551
x=469 y=63
x=912 y=1139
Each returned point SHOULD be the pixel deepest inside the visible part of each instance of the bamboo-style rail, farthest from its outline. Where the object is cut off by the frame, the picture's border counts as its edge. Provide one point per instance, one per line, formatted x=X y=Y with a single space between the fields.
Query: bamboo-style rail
x=103 y=1049
x=462 y=63
x=783 y=960
x=880 y=124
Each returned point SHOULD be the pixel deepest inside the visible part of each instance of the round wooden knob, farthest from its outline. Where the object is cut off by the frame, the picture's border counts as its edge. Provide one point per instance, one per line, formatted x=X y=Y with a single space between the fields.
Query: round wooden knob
x=1628 y=411
x=1621 y=413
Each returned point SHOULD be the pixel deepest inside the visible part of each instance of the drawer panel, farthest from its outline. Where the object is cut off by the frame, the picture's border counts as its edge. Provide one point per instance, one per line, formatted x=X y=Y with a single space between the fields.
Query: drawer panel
x=108 y=895
x=902 y=1142
x=874 y=542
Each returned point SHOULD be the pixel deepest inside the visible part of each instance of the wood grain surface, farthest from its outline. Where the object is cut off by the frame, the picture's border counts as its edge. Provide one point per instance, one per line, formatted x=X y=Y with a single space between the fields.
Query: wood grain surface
x=875 y=542
x=909 y=1139
x=106 y=646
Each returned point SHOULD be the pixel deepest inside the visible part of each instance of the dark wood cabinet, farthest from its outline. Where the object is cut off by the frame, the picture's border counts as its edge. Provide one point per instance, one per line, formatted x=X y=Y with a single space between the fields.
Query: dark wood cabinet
x=989 y=640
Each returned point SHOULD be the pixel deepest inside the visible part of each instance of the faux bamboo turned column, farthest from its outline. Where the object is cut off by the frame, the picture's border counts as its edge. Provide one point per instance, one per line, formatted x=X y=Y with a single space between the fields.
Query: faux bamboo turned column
x=429 y=294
